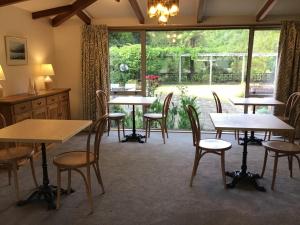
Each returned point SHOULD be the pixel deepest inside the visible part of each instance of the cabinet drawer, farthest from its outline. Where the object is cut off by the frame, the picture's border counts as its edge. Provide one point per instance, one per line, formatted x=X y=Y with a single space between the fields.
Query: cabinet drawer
x=40 y=113
x=38 y=103
x=52 y=99
x=22 y=107
x=63 y=97
x=23 y=116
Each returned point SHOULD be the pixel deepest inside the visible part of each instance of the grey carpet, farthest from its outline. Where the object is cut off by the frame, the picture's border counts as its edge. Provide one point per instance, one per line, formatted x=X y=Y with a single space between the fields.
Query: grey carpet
x=149 y=184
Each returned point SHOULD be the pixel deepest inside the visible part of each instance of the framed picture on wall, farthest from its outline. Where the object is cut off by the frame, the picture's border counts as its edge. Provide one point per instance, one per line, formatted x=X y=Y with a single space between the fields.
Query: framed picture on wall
x=16 y=50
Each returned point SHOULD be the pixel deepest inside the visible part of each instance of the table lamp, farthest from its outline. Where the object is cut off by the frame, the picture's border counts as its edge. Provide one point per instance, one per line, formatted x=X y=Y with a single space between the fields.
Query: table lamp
x=47 y=71
x=2 y=77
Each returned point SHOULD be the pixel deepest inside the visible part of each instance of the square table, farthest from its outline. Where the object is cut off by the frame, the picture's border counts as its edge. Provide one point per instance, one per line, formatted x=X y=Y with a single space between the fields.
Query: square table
x=133 y=100
x=253 y=101
x=247 y=122
x=43 y=131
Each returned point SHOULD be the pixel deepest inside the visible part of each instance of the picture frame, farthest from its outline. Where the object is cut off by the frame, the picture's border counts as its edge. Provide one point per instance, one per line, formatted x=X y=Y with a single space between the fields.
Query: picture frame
x=16 y=51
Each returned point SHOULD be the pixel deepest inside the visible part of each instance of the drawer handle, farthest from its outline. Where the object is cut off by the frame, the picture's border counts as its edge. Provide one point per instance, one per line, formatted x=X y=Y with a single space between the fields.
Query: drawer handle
x=39 y=103
x=23 y=107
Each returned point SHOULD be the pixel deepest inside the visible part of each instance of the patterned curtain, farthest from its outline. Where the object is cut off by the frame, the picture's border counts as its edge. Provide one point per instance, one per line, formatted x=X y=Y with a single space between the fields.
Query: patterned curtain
x=288 y=79
x=94 y=71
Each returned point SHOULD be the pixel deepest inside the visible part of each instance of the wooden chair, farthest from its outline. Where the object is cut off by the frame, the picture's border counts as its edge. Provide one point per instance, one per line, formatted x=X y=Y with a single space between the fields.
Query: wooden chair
x=161 y=118
x=12 y=156
x=282 y=149
x=76 y=160
x=104 y=109
x=219 y=110
x=289 y=111
x=204 y=146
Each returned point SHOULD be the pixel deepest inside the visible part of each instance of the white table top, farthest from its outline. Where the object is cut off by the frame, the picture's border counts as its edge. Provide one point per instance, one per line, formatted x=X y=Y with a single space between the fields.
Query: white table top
x=235 y=121
x=255 y=101
x=132 y=100
x=42 y=130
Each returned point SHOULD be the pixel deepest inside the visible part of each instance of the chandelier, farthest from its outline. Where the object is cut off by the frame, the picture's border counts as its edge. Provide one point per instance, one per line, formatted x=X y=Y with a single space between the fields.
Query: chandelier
x=163 y=9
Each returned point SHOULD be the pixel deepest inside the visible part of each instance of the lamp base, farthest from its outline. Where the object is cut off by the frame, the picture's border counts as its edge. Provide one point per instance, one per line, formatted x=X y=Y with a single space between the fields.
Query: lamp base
x=48 y=86
x=1 y=91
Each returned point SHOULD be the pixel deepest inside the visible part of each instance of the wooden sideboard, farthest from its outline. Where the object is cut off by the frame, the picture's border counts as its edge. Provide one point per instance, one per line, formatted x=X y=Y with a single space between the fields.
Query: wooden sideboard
x=52 y=104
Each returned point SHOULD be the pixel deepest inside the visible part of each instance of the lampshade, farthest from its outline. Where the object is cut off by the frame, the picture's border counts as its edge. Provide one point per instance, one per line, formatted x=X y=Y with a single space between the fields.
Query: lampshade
x=2 y=77
x=47 y=70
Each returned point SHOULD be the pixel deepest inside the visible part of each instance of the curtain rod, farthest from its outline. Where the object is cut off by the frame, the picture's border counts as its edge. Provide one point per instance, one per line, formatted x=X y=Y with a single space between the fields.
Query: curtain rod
x=190 y=27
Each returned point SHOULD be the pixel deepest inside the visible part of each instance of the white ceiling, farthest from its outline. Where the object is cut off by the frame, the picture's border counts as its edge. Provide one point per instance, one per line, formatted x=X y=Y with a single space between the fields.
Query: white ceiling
x=213 y=8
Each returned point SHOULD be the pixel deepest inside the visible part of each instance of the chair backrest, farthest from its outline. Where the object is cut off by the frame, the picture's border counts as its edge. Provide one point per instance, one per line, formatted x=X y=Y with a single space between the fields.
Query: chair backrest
x=2 y=121
x=102 y=105
x=291 y=104
x=166 y=105
x=98 y=127
x=218 y=102
x=195 y=124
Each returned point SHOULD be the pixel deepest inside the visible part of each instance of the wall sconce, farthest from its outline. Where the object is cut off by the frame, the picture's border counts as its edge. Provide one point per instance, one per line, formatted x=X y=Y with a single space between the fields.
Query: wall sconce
x=47 y=71
x=2 y=77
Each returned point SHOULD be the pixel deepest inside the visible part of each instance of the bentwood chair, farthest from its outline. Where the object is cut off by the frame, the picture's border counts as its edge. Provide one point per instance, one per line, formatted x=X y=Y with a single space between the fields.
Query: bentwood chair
x=219 y=110
x=282 y=149
x=204 y=146
x=161 y=118
x=11 y=157
x=290 y=109
x=84 y=159
x=103 y=108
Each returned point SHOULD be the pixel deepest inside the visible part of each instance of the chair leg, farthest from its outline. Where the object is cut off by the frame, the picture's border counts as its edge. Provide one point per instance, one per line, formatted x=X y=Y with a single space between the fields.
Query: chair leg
x=265 y=163
x=146 y=131
x=58 y=188
x=223 y=168
x=162 y=130
x=9 y=175
x=98 y=174
x=16 y=180
x=165 y=126
x=69 y=181
x=195 y=167
x=274 y=170
x=89 y=188
x=33 y=171
x=238 y=136
x=149 y=128
x=118 y=124
x=290 y=161
x=108 y=126
x=123 y=127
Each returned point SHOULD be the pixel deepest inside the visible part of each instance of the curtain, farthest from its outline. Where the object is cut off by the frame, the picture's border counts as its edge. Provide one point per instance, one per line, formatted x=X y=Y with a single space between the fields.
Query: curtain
x=288 y=78
x=94 y=71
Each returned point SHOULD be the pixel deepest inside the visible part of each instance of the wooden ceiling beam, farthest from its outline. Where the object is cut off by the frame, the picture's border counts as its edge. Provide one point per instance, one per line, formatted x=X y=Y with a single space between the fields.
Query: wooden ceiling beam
x=76 y=7
x=84 y=17
x=201 y=10
x=10 y=2
x=51 y=12
x=266 y=8
x=137 y=10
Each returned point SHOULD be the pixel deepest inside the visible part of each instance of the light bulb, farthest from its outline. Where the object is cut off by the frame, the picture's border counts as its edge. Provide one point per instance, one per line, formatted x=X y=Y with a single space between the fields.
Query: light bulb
x=152 y=11
x=163 y=18
x=174 y=10
x=159 y=7
x=168 y=35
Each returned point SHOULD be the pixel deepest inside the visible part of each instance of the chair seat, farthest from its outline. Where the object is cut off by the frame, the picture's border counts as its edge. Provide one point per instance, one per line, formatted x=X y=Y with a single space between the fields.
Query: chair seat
x=282 y=147
x=214 y=144
x=73 y=159
x=15 y=153
x=116 y=115
x=153 y=115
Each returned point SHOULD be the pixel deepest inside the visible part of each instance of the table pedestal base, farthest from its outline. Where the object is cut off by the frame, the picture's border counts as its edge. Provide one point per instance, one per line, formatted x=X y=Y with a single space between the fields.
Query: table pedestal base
x=134 y=138
x=252 y=139
x=44 y=193
x=248 y=177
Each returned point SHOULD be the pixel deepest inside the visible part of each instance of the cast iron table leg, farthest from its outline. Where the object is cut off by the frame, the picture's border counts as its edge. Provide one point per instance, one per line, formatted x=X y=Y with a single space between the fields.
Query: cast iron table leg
x=45 y=192
x=243 y=174
x=134 y=136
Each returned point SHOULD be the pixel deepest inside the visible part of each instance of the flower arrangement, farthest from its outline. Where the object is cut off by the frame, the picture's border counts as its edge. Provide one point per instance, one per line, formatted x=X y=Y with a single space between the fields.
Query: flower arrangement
x=152 y=83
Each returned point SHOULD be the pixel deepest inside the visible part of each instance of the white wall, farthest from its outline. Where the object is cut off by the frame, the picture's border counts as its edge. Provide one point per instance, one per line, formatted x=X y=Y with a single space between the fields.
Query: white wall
x=40 y=44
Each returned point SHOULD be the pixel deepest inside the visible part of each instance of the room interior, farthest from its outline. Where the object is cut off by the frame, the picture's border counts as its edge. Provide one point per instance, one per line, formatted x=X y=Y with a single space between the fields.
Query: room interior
x=68 y=56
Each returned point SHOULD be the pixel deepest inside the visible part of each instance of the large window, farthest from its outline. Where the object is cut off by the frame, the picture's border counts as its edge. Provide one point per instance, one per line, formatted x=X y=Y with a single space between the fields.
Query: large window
x=192 y=64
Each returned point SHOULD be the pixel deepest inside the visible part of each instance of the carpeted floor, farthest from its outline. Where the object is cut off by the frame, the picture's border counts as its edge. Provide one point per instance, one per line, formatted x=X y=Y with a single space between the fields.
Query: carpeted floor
x=149 y=184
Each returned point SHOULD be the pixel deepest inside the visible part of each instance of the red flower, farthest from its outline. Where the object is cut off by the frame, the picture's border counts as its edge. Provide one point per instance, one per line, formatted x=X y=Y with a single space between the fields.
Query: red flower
x=152 y=77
